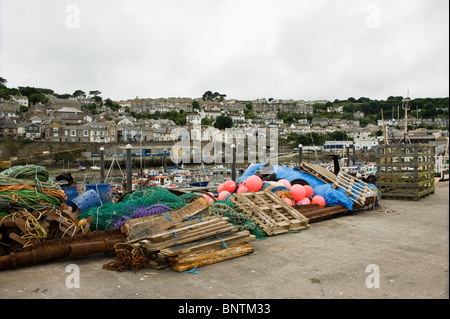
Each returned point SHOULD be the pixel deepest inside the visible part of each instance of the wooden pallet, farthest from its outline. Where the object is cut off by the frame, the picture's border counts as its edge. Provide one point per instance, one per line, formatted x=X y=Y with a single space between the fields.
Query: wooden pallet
x=354 y=188
x=318 y=171
x=270 y=212
x=140 y=228
x=188 y=233
x=208 y=251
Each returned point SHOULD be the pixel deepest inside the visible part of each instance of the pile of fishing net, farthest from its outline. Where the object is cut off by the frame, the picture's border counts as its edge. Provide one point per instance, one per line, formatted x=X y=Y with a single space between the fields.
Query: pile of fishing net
x=29 y=187
x=140 y=203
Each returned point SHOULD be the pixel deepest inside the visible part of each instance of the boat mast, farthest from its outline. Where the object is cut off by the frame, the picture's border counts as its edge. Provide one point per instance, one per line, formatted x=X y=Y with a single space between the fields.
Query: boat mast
x=405 y=106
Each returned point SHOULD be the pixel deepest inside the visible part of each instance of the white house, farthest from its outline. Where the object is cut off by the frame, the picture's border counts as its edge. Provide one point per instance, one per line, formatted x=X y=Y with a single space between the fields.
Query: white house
x=22 y=100
x=194 y=119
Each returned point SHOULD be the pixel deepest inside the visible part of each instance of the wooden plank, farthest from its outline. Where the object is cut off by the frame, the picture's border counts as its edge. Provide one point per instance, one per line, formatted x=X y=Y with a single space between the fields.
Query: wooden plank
x=175 y=237
x=318 y=171
x=188 y=238
x=141 y=228
x=213 y=257
x=180 y=231
x=207 y=244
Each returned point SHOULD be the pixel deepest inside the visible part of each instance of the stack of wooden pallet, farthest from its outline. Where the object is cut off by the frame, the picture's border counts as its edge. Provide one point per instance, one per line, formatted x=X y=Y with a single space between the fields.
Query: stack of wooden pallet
x=209 y=250
x=270 y=212
x=319 y=172
x=187 y=238
x=353 y=187
x=194 y=244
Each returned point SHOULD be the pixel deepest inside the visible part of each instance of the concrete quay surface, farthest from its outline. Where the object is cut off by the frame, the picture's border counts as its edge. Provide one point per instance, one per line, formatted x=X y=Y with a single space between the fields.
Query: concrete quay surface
x=368 y=254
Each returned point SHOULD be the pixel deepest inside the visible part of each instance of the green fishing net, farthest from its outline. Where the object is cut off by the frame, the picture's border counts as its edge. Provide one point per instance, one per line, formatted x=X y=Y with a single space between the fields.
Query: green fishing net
x=112 y=215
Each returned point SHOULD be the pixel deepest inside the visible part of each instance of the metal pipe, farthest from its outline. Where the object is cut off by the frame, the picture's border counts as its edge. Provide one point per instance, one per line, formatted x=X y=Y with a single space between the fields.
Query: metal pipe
x=233 y=164
x=102 y=164
x=79 y=245
x=300 y=154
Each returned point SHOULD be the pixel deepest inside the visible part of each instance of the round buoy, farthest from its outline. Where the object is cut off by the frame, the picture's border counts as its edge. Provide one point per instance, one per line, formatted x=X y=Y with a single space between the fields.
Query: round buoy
x=223 y=195
x=229 y=186
x=285 y=183
x=254 y=183
x=288 y=201
x=242 y=189
x=298 y=192
x=208 y=198
x=304 y=201
x=309 y=190
x=318 y=200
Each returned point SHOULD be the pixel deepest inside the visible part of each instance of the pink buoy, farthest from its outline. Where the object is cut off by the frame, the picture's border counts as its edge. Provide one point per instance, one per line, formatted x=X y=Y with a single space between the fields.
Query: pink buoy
x=309 y=190
x=242 y=189
x=254 y=183
x=288 y=201
x=209 y=198
x=304 y=201
x=223 y=195
x=285 y=182
x=318 y=200
x=220 y=188
x=298 y=192
x=229 y=186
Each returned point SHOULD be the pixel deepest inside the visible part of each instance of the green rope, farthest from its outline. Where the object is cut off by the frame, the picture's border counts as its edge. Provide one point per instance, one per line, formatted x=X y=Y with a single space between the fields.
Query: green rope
x=28 y=198
x=30 y=171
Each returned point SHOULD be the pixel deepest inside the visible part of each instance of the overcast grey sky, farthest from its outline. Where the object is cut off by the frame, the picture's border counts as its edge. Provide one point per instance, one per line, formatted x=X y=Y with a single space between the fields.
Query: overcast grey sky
x=321 y=49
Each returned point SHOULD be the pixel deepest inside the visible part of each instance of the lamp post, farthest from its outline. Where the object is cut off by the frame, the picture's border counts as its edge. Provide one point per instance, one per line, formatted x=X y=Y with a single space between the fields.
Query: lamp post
x=354 y=154
x=300 y=154
x=102 y=164
x=233 y=163
x=129 y=169
x=164 y=160
x=347 y=146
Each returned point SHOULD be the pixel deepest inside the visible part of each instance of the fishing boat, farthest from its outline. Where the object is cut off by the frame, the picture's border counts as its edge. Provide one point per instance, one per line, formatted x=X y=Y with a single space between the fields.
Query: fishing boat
x=81 y=168
x=96 y=167
x=164 y=181
x=199 y=178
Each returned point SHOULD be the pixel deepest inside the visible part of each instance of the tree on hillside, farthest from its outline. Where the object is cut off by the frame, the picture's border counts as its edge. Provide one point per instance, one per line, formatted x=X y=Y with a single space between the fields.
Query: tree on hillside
x=37 y=97
x=222 y=122
x=210 y=96
x=95 y=92
x=195 y=105
x=3 y=81
x=79 y=94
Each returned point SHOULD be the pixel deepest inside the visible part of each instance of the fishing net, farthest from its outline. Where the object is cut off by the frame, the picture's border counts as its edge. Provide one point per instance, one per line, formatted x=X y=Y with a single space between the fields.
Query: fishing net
x=153 y=200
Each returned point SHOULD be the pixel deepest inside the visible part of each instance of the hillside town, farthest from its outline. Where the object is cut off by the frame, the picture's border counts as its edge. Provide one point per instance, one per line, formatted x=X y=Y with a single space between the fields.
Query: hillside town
x=68 y=119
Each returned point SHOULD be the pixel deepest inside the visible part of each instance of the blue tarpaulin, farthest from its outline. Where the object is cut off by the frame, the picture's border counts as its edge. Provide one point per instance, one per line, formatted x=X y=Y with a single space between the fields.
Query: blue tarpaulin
x=332 y=196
